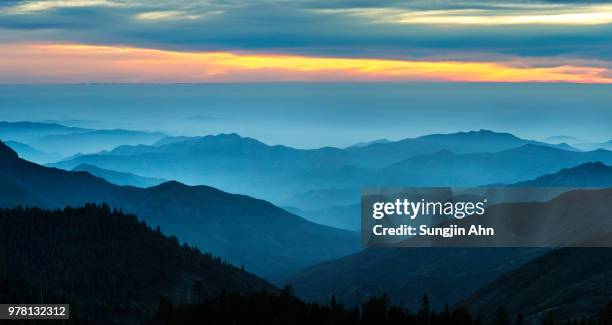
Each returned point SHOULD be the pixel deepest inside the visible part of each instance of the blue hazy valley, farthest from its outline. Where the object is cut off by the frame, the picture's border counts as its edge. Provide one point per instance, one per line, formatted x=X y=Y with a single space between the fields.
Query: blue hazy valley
x=268 y=177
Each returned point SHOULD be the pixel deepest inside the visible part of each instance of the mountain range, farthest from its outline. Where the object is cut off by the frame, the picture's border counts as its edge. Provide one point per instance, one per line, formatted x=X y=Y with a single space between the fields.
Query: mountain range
x=32 y=154
x=578 y=143
x=26 y=131
x=267 y=240
x=347 y=216
x=95 y=140
x=445 y=168
x=451 y=275
x=277 y=173
x=482 y=141
x=372 y=271
x=317 y=184
x=230 y=162
x=64 y=141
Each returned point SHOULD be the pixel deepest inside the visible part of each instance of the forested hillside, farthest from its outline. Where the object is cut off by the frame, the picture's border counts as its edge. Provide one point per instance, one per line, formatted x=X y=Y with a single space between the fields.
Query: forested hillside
x=104 y=262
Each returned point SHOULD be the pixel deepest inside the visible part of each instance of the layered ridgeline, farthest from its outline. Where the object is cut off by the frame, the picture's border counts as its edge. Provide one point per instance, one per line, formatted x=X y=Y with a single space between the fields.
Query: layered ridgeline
x=592 y=174
x=119 y=178
x=231 y=163
x=452 y=274
x=593 y=146
x=48 y=142
x=481 y=141
x=445 y=168
x=319 y=206
x=569 y=283
x=277 y=173
x=26 y=131
x=338 y=216
x=265 y=239
x=444 y=274
x=32 y=154
x=106 y=264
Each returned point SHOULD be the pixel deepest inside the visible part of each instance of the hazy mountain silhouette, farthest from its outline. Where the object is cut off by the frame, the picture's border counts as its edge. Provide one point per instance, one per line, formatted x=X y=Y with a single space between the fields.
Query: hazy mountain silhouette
x=452 y=274
x=266 y=239
x=245 y=165
x=107 y=265
x=558 y=139
x=569 y=282
x=481 y=141
x=28 y=131
x=335 y=207
x=445 y=168
x=97 y=140
x=339 y=216
x=591 y=174
x=367 y=143
x=65 y=141
x=169 y=140
x=595 y=145
x=32 y=154
x=232 y=163
x=573 y=217
x=276 y=173
x=318 y=199
x=347 y=214
x=119 y=178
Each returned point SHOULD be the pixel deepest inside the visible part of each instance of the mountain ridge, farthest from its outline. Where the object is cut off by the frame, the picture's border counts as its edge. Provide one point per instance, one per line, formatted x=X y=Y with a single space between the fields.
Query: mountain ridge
x=444 y=168
x=568 y=282
x=245 y=165
x=590 y=174
x=266 y=239
x=119 y=178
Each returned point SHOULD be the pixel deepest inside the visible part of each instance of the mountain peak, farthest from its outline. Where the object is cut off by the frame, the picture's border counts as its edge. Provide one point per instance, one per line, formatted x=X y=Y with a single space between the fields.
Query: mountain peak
x=230 y=135
x=594 y=164
x=7 y=152
x=591 y=167
x=482 y=133
x=534 y=147
x=172 y=184
x=589 y=174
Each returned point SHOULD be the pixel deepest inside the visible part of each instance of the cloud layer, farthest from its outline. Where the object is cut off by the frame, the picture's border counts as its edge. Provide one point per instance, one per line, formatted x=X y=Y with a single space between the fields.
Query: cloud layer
x=564 y=41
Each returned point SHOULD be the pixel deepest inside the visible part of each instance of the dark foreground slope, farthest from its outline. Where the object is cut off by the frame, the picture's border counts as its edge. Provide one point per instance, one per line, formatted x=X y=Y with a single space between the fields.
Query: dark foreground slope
x=267 y=240
x=570 y=283
x=445 y=274
x=283 y=308
x=106 y=264
x=562 y=282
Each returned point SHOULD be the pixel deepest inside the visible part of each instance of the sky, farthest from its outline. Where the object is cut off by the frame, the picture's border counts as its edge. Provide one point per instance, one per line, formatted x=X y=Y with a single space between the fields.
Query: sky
x=137 y=41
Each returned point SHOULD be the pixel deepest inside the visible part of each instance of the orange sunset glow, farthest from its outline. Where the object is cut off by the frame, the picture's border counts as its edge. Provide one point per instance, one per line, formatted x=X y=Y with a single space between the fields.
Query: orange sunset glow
x=51 y=62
